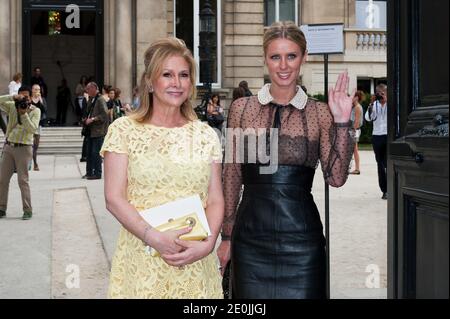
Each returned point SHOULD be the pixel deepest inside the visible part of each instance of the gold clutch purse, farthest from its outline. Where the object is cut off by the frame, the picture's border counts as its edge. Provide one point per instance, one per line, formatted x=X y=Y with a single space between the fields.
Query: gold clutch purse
x=198 y=232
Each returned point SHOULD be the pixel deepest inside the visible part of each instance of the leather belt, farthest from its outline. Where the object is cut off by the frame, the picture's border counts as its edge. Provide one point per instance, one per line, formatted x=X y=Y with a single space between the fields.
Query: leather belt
x=16 y=144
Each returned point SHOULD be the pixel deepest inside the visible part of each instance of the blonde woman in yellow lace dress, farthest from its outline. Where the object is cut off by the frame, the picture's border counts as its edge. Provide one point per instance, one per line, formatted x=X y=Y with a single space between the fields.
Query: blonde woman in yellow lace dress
x=159 y=154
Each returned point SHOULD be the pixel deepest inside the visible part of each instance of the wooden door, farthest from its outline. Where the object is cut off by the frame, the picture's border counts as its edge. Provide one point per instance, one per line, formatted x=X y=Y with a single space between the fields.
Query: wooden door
x=418 y=86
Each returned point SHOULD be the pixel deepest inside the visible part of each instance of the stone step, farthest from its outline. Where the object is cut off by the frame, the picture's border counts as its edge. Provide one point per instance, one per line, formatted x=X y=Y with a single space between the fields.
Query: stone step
x=59 y=145
x=57 y=130
x=53 y=132
x=77 y=134
x=59 y=151
x=57 y=140
x=63 y=140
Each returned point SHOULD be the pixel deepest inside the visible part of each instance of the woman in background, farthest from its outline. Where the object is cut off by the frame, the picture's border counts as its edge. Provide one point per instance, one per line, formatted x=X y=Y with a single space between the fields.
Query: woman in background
x=15 y=84
x=215 y=112
x=39 y=102
x=357 y=121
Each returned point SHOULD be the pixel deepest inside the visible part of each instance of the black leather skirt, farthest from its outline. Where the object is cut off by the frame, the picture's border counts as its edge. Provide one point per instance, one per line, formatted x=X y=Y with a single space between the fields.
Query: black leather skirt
x=277 y=245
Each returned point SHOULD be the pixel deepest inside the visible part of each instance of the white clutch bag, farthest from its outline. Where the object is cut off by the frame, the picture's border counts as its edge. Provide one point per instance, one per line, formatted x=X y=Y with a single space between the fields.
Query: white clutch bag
x=182 y=213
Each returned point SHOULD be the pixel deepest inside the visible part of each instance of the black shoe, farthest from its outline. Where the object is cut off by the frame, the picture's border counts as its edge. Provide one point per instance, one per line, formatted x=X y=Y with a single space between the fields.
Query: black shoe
x=384 y=196
x=2 y=214
x=83 y=159
x=85 y=176
x=93 y=177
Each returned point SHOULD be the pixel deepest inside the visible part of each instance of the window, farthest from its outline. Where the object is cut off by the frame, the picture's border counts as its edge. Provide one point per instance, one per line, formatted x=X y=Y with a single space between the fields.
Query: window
x=187 y=27
x=184 y=23
x=52 y=23
x=370 y=14
x=278 y=10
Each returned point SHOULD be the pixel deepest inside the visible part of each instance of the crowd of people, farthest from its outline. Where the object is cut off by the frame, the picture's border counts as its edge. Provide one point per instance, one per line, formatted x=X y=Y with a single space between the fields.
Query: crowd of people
x=272 y=225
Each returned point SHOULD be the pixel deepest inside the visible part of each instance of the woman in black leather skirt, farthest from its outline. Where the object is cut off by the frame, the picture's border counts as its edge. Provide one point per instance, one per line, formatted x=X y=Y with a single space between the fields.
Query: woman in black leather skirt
x=277 y=246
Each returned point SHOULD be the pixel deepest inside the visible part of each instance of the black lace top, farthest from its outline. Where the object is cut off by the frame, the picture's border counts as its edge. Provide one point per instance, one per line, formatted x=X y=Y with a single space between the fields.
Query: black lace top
x=305 y=136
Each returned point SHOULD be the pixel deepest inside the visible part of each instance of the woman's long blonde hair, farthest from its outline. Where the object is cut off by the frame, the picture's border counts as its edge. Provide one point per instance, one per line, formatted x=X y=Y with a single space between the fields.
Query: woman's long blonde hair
x=154 y=58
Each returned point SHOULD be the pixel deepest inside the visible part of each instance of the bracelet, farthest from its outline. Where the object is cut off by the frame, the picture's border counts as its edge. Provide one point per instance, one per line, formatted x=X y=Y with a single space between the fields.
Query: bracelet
x=344 y=124
x=225 y=237
x=147 y=228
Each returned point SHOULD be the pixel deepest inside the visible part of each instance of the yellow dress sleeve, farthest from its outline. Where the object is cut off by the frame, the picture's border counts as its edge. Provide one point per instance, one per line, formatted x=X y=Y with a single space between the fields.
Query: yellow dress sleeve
x=117 y=136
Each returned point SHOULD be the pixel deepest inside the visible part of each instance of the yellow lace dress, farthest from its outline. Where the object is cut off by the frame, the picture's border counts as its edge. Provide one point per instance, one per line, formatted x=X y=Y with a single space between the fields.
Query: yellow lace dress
x=164 y=164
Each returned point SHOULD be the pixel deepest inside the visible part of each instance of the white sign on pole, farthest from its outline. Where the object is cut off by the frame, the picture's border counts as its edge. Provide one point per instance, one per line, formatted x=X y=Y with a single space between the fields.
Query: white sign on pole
x=324 y=38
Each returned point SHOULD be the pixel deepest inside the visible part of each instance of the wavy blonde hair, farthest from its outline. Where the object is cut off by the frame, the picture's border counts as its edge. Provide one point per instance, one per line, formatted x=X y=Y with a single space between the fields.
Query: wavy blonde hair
x=154 y=57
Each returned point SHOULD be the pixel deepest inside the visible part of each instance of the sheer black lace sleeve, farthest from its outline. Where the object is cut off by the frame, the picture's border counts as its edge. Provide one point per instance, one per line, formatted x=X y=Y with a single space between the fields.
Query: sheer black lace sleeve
x=232 y=179
x=336 y=146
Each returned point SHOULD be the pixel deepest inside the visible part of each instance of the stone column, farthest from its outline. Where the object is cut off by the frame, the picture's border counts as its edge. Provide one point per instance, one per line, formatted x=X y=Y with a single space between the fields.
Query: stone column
x=151 y=25
x=16 y=36
x=5 y=44
x=123 y=52
x=243 y=39
x=109 y=47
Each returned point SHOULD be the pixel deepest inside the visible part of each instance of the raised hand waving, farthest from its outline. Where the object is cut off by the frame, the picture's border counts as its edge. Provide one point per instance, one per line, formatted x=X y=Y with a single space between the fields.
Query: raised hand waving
x=339 y=101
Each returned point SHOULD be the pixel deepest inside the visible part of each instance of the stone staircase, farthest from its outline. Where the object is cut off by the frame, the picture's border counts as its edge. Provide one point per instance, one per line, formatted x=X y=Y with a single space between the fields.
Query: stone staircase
x=57 y=140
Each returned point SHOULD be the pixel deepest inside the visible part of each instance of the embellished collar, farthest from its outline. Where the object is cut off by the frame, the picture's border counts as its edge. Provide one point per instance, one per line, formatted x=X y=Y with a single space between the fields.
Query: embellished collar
x=298 y=101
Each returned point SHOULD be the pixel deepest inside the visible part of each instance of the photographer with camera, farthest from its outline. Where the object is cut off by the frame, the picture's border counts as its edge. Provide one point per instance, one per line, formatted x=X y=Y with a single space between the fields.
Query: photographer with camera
x=377 y=113
x=18 y=149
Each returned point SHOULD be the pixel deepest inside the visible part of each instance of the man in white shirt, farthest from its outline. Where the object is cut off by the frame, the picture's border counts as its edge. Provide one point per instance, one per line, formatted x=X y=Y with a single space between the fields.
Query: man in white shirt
x=377 y=113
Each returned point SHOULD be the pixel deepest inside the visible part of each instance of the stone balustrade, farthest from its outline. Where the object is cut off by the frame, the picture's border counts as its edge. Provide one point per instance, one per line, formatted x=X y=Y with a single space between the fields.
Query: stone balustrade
x=365 y=40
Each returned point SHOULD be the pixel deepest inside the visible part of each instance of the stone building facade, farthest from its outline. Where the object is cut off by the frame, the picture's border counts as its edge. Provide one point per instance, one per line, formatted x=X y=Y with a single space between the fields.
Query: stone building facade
x=113 y=53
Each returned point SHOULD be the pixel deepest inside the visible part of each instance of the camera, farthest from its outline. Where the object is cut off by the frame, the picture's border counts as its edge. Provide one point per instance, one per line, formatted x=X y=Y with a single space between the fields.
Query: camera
x=22 y=104
x=378 y=97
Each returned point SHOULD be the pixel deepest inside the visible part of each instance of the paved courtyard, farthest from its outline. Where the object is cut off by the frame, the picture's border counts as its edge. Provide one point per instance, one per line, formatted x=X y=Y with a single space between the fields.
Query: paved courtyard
x=65 y=251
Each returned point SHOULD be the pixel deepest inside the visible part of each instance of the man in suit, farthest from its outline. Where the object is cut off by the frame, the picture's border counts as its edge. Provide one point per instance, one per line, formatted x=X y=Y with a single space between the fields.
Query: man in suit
x=96 y=123
x=82 y=113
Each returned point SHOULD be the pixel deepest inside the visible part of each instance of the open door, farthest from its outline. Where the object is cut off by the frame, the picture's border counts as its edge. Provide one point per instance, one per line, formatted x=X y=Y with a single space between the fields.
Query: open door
x=418 y=86
x=62 y=51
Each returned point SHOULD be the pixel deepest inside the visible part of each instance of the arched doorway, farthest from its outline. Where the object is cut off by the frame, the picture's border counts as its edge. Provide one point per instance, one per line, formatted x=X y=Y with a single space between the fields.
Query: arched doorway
x=62 y=48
